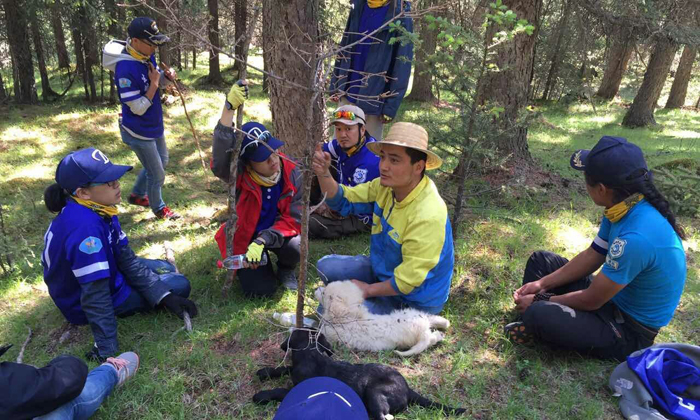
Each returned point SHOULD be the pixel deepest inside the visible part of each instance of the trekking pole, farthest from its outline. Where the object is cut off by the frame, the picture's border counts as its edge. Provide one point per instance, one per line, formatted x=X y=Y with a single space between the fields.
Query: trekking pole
x=194 y=133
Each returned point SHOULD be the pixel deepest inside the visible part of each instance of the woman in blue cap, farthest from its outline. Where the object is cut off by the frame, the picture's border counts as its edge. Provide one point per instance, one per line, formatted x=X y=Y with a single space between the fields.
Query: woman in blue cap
x=268 y=200
x=91 y=272
x=620 y=309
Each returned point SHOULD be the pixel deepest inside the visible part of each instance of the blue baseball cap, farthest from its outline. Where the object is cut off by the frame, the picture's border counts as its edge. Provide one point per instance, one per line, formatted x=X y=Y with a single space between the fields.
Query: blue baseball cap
x=146 y=28
x=87 y=166
x=251 y=149
x=321 y=398
x=613 y=160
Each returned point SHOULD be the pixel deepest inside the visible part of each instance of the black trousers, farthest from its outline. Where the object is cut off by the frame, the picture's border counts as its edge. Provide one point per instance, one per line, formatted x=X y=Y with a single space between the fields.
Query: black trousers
x=263 y=282
x=326 y=228
x=607 y=332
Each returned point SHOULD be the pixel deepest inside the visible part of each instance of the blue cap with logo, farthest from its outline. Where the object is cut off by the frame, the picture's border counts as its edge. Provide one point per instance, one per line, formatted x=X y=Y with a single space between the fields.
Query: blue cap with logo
x=86 y=166
x=145 y=28
x=252 y=147
x=613 y=160
x=321 y=398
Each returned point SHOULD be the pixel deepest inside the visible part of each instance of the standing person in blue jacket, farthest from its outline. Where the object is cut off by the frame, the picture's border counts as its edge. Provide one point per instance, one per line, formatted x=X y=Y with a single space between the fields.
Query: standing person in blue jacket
x=373 y=67
x=91 y=272
x=356 y=164
x=138 y=79
x=620 y=309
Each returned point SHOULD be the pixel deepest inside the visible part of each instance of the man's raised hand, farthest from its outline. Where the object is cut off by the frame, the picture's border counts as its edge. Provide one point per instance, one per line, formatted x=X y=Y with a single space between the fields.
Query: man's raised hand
x=322 y=162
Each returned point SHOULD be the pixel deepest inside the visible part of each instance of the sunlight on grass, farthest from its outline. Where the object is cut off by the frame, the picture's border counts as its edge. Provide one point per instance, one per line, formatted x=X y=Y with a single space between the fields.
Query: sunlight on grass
x=684 y=134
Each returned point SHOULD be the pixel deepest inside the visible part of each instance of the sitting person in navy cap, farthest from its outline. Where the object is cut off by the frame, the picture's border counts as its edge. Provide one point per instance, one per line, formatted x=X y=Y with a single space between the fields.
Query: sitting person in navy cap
x=91 y=272
x=620 y=309
x=268 y=200
x=321 y=398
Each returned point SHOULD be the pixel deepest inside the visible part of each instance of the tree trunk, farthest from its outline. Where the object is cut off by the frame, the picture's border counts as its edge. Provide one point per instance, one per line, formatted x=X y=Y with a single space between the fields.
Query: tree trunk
x=113 y=32
x=214 y=71
x=46 y=91
x=509 y=88
x=300 y=19
x=679 y=89
x=266 y=44
x=79 y=53
x=89 y=49
x=641 y=113
x=422 y=89
x=618 y=58
x=162 y=22
x=59 y=36
x=17 y=37
x=240 y=13
x=557 y=52
x=3 y=93
x=194 y=58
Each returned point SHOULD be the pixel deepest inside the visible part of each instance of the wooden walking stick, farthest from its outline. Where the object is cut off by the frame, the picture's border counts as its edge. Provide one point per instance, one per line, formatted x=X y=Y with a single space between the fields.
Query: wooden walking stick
x=194 y=133
x=233 y=168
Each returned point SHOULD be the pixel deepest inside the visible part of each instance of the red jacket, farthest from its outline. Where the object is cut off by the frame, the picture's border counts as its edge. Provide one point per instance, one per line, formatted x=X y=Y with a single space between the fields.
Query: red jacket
x=249 y=204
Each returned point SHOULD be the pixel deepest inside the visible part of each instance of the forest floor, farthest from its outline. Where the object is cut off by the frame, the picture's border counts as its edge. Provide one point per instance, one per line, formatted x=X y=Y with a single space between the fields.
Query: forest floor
x=210 y=372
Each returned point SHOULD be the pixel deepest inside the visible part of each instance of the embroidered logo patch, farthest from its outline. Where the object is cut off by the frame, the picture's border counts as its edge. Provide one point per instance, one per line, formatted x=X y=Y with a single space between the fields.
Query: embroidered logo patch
x=124 y=83
x=90 y=245
x=577 y=159
x=611 y=263
x=617 y=248
x=394 y=235
x=143 y=78
x=359 y=176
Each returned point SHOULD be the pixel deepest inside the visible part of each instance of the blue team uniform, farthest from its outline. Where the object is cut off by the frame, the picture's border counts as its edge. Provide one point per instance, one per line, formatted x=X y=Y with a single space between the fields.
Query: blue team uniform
x=357 y=169
x=131 y=78
x=81 y=247
x=644 y=253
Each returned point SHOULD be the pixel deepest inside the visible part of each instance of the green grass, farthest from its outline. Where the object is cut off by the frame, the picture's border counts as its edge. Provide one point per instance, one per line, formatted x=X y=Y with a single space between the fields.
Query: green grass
x=210 y=373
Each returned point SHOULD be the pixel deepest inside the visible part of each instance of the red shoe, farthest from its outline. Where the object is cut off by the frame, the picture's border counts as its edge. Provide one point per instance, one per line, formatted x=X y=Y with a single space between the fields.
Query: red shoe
x=137 y=200
x=166 y=213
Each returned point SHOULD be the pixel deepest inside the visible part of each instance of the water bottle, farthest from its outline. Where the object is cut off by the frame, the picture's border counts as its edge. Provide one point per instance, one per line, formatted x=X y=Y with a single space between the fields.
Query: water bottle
x=235 y=262
x=289 y=319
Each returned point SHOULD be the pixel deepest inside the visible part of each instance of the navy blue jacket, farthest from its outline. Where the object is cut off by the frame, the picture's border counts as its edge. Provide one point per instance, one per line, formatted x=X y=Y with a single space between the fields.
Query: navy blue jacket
x=392 y=61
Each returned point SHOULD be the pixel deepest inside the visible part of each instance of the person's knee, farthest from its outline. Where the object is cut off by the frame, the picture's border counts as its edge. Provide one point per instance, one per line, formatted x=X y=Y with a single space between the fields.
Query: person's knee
x=536 y=258
x=546 y=316
x=326 y=268
x=179 y=285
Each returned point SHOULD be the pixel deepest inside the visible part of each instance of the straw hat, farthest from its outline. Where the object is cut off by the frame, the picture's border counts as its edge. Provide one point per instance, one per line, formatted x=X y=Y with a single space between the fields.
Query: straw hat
x=409 y=135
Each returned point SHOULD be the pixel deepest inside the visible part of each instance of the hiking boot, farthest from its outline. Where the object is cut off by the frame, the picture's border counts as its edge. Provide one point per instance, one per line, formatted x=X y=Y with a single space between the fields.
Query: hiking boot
x=126 y=365
x=517 y=333
x=166 y=213
x=138 y=200
x=287 y=278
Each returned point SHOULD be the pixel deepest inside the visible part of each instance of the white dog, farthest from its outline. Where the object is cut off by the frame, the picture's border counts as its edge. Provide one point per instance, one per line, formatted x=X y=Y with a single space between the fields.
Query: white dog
x=347 y=320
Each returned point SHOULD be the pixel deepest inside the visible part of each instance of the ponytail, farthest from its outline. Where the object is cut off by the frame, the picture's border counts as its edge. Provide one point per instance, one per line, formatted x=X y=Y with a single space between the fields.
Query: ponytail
x=55 y=198
x=656 y=199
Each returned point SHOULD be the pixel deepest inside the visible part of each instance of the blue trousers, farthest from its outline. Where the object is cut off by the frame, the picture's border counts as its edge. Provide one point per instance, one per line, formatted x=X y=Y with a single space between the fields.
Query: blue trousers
x=98 y=386
x=153 y=155
x=177 y=283
x=346 y=267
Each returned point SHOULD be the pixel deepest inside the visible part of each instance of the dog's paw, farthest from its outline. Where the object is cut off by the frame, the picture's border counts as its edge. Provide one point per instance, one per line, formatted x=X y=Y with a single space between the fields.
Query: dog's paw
x=265 y=373
x=262 y=397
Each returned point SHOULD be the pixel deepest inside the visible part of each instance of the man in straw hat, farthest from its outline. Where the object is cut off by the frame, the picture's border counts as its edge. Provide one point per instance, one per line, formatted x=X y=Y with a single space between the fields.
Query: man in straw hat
x=411 y=252
x=355 y=165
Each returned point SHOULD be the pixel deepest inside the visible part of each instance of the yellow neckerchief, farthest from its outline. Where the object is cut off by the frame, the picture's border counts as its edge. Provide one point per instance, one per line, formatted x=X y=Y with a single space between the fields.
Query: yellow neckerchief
x=101 y=209
x=619 y=210
x=356 y=148
x=132 y=52
x=264 y=181
x=376 y=3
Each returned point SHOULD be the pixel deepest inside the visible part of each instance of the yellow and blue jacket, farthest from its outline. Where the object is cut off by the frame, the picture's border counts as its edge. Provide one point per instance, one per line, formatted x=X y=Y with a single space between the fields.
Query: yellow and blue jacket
x=411 y=243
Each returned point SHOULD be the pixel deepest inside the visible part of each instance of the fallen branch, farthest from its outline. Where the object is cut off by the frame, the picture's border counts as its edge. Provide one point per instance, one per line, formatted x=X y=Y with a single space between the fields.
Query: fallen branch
x=24 y=346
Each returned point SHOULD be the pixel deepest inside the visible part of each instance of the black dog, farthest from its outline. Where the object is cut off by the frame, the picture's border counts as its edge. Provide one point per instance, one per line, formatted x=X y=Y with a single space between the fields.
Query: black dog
x=382 y=389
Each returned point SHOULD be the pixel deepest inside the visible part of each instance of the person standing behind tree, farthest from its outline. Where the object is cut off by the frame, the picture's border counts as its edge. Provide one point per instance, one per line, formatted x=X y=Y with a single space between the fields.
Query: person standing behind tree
x=356 y=164
x=138 y=80
x=373 y=67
